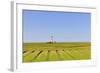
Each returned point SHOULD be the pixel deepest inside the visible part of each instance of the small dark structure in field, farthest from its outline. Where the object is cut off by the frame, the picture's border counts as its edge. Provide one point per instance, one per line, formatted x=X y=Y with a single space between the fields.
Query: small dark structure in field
x=51 y=42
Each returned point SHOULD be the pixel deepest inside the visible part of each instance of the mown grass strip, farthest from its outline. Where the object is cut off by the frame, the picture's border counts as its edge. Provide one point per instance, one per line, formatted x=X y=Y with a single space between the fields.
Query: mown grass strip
x=53 y=56
x=73 y=53
x=64 y=56
x=70 y=55
x=78 y=54
x=41 y=57
x=36 y=56
x=26 y=52
x=85 y=53
x=58 y=55
x=30 y=56
x=48 y=55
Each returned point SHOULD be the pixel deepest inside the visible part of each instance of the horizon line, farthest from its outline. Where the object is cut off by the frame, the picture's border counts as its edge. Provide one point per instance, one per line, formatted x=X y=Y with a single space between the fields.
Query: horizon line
x=59 y=42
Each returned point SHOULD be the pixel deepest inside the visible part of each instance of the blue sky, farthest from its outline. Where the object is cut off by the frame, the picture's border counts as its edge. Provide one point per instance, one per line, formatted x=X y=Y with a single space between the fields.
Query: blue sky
x=38 y=26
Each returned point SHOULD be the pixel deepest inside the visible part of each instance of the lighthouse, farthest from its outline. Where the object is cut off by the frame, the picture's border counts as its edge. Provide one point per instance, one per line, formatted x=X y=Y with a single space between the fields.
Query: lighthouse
x=52 y=39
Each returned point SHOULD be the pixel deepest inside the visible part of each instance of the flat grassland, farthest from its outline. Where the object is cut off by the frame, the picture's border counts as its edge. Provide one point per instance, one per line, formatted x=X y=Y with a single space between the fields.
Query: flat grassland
x=39 y=52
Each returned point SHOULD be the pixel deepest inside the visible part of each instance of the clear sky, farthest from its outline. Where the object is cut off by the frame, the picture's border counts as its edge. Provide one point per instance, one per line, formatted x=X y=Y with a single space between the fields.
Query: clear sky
x=38 y=26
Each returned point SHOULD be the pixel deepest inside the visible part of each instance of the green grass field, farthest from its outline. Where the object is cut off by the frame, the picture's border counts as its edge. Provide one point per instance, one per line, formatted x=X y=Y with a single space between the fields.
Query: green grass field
x=39 y=52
